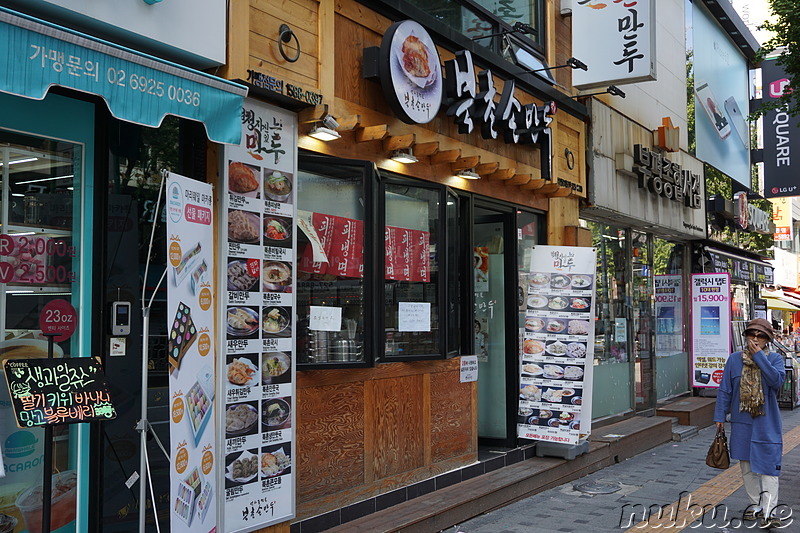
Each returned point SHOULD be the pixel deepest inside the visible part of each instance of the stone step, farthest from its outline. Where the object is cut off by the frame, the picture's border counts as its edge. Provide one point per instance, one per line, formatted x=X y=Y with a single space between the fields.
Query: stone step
x=680 y=432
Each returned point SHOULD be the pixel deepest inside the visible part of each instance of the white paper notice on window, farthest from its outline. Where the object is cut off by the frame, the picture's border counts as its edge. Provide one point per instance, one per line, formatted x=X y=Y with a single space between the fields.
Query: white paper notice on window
x=325 y=318
x=413 y=316
x=469 y=368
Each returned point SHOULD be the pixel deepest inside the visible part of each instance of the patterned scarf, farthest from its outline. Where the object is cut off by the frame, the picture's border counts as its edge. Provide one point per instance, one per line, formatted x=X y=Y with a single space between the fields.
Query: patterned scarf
x=751 y=394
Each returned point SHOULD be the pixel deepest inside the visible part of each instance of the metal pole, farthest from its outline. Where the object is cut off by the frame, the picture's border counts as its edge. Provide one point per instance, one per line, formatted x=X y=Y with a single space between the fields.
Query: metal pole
x=47 y=481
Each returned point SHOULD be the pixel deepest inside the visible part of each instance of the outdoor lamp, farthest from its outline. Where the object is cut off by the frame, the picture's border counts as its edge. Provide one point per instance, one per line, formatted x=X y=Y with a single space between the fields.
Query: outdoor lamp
x=404 y=156
x=468 y=174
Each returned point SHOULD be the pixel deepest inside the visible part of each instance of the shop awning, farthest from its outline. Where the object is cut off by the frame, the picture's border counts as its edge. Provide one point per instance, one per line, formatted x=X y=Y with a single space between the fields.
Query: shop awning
x=136 y=87
x=740 y=267
x=775 y=303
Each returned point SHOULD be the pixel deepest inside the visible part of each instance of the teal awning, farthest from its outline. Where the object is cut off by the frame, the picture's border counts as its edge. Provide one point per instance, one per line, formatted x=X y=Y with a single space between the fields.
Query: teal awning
x=137 y=87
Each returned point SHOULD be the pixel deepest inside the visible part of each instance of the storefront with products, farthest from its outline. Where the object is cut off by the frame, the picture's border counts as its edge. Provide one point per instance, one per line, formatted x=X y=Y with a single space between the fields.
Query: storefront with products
x=645 y=207
x=413 y=223
x=87 y=126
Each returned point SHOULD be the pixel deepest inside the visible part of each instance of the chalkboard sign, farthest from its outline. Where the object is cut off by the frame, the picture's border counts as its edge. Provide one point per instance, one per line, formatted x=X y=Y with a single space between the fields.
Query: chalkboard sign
x=50 y=392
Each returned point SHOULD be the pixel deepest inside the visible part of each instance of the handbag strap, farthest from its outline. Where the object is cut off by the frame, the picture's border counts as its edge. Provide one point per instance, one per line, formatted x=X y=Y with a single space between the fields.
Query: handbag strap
x=721 y=434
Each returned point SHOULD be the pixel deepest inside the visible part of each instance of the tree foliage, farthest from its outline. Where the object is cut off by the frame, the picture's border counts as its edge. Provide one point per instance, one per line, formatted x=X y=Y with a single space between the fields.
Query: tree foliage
x=785 y=28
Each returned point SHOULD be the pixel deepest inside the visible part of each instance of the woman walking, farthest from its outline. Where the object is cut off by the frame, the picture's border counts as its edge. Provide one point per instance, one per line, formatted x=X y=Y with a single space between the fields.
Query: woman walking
x=749 y=391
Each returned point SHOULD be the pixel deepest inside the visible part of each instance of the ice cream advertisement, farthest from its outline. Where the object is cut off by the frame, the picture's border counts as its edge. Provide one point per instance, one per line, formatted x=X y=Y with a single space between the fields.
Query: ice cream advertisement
x=190 y=326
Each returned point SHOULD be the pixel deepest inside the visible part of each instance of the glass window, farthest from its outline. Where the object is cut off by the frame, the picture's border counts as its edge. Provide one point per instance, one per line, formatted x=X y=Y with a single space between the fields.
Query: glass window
x=455 y=284
x=411 y=270
x=330 y=294
x=40 y=251
x=611 y=327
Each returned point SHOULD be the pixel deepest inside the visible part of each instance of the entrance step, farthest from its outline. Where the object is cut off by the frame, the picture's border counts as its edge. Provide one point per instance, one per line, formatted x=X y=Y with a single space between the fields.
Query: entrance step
x=680 y=432
x=690 y=411
x=634 y=435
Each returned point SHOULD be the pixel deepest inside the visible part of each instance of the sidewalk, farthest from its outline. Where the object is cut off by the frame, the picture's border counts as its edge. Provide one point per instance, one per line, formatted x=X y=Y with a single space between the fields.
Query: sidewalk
x=661 y=476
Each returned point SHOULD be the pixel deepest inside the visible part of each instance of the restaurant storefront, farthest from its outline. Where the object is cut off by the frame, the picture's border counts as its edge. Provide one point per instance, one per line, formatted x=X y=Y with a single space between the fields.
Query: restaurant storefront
x=645 y=209
x=86 y=129
x=415 y=222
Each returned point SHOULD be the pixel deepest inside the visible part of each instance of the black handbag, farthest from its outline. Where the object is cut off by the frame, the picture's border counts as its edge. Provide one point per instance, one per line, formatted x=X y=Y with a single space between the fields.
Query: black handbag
x=718 y=456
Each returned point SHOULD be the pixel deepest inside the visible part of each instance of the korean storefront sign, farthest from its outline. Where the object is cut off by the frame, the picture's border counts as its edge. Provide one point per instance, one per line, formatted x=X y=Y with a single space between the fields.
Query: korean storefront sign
x=257 y=370
x=190 y=326
x=555 y=387
x=782 y=218
x=711 y=327
x=408 y=67
x=662 y=177
x=616 y=39
x=781 y=137
x=669 y=314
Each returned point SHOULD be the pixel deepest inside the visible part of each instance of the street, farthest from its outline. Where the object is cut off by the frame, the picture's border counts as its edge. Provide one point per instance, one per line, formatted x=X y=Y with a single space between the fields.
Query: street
x=671 y=480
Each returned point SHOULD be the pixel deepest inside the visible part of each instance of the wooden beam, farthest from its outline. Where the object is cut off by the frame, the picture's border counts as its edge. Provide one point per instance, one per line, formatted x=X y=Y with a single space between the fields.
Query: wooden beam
x=561 y=192
x=502 y=174
x=548 y=188
x=372 y=133
x=348 y=123
x=485 y=169
x=462 y=163
x=446 y=156
x=398 y=142
x=312 y=114
x=534 y=184
x=519 y=179
x=423 y=149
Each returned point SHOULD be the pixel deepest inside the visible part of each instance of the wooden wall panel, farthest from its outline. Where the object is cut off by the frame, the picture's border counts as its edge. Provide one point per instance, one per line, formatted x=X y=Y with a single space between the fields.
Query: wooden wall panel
x=330 y=439
x=396 y=406
x=451 y=416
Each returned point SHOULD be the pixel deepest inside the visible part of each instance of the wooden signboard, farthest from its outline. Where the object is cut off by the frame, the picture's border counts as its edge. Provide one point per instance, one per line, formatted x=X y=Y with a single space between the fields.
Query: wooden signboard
x=50 y=392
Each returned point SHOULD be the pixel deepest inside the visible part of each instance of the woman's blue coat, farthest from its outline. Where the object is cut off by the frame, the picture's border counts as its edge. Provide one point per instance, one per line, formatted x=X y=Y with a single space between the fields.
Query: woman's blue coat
x=760 y=439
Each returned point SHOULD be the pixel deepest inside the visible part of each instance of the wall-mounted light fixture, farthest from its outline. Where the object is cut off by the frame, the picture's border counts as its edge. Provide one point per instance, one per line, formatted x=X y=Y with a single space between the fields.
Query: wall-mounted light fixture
x=613 y=90
x=404 y=156
x=321 y=133
x=468 y=174
x=572 y=62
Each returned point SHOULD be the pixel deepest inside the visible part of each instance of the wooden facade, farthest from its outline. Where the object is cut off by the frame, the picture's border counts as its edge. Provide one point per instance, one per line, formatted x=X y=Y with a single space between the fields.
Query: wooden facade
x=363 y=432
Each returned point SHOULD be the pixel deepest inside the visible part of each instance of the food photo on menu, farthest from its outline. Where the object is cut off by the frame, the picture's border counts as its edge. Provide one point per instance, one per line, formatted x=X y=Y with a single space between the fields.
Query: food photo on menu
x=244 y=227
x=278 y=186
x=276 y=321
x=276 y=276
x=557 y=394
x=241 y=419
x=580 y=304
x=276 y=460
x=241 y=467
x=581 y=281
x=548 y=418
x=242 y=322
x=242 y=370
x=277 y=231
x=275 y=368
x=532 y=347
x=538 y=281
x=243 y=179
x=240 y=276
x=276 y=413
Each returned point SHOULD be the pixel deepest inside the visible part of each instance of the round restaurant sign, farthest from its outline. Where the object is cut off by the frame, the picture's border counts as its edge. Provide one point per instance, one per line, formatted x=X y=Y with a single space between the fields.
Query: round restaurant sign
x=58 y=318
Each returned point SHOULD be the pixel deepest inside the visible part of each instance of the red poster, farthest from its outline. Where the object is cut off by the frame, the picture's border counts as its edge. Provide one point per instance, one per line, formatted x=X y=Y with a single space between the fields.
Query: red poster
x=407 y=254
x=343 y=243
x=421 y=266
x=390 y=254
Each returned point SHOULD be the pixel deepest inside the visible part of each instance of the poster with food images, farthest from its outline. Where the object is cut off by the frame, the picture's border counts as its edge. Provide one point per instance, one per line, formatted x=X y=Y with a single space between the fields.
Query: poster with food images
x=256 y=372
x=190 y=355
x=556 y=360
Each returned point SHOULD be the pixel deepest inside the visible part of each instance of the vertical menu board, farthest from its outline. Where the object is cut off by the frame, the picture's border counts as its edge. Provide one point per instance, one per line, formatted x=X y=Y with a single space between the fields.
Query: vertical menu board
x=257 y=369
x=190 y=326
x=555 y=386
x=711 y=327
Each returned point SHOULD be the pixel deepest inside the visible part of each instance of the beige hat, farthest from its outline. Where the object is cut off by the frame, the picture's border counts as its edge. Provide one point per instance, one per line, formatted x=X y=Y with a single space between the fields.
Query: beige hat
x=762 y=326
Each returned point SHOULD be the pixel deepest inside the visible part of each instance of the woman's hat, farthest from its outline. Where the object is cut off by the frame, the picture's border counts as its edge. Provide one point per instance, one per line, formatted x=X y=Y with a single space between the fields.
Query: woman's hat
x=762 y=326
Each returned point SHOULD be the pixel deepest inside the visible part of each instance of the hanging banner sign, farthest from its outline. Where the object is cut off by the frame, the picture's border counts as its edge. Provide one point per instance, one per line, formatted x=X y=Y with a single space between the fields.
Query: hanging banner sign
x=256 y=373
x=555 y=387
x=782 y=217
x=190 y=326
x=711 y=331
x=781 y=136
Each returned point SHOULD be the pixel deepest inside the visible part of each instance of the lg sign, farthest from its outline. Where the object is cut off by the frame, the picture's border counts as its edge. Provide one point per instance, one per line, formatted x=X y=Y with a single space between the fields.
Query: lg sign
x=777 y=87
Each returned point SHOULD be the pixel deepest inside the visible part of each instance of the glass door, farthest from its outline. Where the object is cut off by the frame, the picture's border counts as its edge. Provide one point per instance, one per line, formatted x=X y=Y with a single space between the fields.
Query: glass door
x=643 y=320
x=42 y=257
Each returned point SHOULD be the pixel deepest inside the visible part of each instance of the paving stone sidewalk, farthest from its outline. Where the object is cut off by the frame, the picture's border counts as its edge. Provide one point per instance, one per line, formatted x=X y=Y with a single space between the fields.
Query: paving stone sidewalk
x=656 y=477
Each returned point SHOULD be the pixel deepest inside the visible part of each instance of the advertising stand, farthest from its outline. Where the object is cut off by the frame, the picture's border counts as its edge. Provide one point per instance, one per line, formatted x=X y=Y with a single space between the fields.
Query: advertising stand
x=711 y=331
x=555 y=387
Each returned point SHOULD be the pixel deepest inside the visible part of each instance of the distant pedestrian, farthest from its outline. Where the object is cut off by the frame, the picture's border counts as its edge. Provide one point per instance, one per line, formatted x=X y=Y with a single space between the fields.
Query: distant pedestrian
x=749 y=391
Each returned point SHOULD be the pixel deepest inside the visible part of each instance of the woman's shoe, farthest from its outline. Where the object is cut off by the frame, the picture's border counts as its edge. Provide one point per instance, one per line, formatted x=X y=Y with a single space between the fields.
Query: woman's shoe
x=751 y=514
x=769 y=523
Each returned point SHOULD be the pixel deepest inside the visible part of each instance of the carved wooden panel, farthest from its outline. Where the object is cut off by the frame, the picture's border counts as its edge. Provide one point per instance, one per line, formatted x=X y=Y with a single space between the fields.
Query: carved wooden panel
x=330 y=439
x=397 y=415
x=451 y=416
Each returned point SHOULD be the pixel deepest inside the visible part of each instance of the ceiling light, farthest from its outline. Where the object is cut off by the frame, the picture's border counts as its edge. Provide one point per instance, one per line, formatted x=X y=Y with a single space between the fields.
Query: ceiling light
x=404 y=156
x=321 y=133
x=468 y=174
x=26 y=160
x=46 y=179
